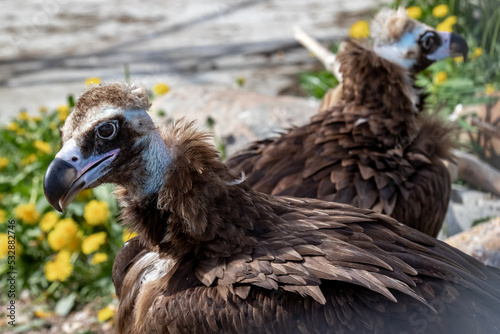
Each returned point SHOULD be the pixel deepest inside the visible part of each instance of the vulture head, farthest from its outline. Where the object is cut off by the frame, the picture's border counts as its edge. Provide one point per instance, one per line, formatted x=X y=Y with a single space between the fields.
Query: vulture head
x=108 y=138
x=412 y=44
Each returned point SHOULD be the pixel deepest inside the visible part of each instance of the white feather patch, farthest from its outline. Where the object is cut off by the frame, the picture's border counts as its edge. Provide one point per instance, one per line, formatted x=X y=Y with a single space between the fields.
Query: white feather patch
x=237 y=181
x=156 y=267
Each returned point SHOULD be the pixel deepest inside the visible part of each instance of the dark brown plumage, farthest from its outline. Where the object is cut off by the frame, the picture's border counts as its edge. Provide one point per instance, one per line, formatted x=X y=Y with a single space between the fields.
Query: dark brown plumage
x=370 y=149
x=215 y=256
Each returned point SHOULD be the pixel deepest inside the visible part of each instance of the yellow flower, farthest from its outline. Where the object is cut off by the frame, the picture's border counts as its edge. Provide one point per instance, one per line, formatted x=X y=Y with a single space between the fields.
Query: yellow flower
x=3 y=162
x=127 y=235
x=447 y=25
x=27 y=213
x=28 y=160
x=3 y=216
x=56 y=239
x=440 y=77
x=84 y=195
x=96 y=213
x=106 y=313
x=451 y=20
x=43 y=109
x=4 y=246
x=477 y=52
x=43 y=314
x=161 y=89
x=48 y=221
x=360 y=29
x=13 y=126
x=414 y=12
x=42 y=146
x=65 y=235
x=240 y=82
x=63 y=112
x=92 y=81
x=60 y=268
x=21 y=132
x=36 y=118
x=458 y=60
x=440 y=11
x=93 y=242
x=443 y=26
x=490 y=89
x=23 y=116
x=99 y=258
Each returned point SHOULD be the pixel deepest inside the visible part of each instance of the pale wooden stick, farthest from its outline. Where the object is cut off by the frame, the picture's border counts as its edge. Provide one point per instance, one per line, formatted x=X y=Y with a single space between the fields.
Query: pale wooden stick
x=487 y=128
x=475 y=172
x=324 y=55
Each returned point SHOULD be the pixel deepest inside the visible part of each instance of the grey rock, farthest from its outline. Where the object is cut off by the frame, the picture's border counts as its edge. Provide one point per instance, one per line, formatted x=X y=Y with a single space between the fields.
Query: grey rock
x=467 y=206
x=481 y=242
x=239 y=116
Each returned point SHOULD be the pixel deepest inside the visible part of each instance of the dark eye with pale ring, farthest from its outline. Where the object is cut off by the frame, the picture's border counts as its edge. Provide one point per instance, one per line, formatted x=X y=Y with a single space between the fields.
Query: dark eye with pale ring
x=107 y=130
x=429 y=41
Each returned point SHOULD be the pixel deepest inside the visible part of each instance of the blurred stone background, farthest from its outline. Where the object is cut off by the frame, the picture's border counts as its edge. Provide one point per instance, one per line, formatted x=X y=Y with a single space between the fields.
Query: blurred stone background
x=48 y=48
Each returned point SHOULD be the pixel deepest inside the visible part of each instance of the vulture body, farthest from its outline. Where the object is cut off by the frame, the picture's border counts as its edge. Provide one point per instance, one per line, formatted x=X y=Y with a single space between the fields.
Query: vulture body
x=370 y=148
x=214 y=255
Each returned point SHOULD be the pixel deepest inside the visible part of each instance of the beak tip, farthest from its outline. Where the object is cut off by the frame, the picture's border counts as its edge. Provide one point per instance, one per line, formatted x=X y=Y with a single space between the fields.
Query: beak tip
x=58 y=208
x=459 y=46
x=56 y=182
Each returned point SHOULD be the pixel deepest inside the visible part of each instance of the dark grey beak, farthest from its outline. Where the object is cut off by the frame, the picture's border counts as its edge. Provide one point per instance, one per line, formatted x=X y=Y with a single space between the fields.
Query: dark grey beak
x=70 y=173
x=58 y=179
x=458 y=46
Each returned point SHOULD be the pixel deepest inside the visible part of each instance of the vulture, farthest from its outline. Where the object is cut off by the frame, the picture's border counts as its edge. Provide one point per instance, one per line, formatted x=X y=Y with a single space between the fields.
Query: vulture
x=213 y=255
x=372 y=147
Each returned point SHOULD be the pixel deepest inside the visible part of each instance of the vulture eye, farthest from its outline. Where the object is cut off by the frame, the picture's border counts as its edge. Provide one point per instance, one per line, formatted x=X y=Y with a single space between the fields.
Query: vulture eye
x=106 y=130
x=429 y=41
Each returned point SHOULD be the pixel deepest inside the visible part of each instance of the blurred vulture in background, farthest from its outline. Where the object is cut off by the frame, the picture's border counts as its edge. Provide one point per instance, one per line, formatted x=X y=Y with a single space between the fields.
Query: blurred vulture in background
x=371 y=147
x=214 y=255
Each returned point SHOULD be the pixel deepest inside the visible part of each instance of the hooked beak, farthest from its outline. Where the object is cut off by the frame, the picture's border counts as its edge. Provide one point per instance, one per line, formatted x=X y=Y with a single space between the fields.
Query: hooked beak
x=453 y=46
x=69 y=173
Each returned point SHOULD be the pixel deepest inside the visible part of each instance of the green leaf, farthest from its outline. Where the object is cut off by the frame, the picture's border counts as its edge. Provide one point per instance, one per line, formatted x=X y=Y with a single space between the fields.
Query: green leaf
x=71 y=101
x=316 y=84
x=65 y=304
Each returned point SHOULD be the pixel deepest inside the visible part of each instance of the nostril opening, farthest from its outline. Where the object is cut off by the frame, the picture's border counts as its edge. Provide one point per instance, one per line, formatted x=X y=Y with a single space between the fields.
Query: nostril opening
x=74 y=159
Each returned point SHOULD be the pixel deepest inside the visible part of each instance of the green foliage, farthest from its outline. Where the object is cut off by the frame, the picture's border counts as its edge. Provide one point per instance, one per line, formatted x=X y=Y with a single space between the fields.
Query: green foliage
x=28 y=146
x=316 y=84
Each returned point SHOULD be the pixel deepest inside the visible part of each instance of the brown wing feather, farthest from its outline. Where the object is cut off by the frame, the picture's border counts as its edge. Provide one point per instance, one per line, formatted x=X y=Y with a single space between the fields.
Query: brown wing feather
x=325 y=266
x=126 y=257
